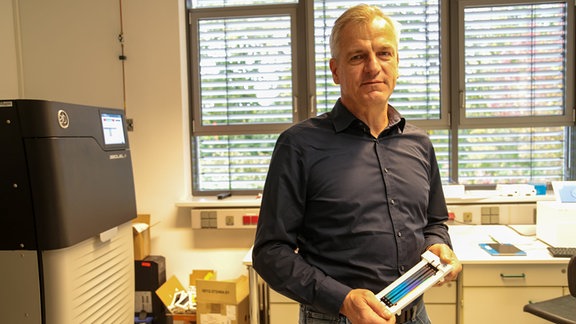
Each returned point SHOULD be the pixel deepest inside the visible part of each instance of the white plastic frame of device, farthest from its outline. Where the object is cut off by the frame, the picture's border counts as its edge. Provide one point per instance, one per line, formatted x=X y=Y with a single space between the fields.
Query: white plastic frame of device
x=425 y=274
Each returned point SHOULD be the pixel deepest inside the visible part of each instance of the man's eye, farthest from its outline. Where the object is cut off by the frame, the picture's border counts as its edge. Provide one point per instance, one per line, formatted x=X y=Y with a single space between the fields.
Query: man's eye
x=356 y=59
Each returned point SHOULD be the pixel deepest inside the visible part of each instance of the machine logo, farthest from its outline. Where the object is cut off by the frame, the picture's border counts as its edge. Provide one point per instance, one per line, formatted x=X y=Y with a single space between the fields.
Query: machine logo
x=6 y=104
x=63 y=119
x=118 y=156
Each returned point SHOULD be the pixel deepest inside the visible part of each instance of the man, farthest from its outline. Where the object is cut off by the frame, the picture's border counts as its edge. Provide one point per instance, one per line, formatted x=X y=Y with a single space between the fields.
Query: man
x=353 y=197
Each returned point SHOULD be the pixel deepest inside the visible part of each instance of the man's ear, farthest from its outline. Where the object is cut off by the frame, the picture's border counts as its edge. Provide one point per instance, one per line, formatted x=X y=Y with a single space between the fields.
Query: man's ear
x=334 y=69
x=397 y=67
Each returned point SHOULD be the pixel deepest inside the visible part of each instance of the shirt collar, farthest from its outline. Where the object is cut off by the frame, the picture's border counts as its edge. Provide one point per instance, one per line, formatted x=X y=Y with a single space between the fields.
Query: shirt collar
x=343 y=118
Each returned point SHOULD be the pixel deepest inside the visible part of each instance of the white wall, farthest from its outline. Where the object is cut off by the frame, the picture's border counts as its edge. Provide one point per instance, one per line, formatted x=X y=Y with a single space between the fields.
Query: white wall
x=156 y=83
x=8 y=54
x=68 y=51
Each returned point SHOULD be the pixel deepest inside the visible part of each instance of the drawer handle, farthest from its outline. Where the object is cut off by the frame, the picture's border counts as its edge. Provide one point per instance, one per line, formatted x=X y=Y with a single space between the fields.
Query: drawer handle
x=512 y=276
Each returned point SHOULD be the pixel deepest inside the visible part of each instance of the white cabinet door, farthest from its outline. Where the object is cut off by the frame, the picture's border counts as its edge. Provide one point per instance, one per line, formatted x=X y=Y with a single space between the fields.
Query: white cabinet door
x=441 y=314
x=284 y=313
x=441 y=303
x=503 y=305
x=69 y=51
x=281 y=309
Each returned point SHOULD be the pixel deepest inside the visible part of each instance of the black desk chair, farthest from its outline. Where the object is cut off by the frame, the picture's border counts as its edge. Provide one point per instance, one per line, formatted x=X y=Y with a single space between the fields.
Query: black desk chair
x=560 y=310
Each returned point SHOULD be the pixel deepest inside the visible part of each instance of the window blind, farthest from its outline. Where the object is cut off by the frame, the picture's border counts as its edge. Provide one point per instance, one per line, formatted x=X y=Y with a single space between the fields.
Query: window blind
x=245 y=70
x=232 y=162
x=234 y=3
x=511 y=155
x=514 y=66
x=515 y=59
x=244 y=85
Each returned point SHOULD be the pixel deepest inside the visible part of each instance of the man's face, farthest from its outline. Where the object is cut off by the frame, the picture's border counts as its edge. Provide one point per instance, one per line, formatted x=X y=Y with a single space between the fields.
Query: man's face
x=366 y=65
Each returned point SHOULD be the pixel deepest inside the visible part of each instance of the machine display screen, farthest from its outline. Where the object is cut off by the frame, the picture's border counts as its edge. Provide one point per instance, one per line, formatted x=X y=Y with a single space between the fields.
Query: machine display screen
x=113 y=129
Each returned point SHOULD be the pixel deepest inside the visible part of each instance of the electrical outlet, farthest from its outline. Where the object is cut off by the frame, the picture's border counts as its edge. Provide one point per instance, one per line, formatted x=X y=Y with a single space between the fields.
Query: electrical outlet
x=229 y=220
x=467 y=217
x=130 y=124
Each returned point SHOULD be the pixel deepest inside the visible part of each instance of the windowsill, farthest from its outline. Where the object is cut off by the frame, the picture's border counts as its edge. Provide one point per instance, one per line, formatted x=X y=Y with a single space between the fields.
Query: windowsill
x=474 y=196
x=213 y=202
x=492 y=196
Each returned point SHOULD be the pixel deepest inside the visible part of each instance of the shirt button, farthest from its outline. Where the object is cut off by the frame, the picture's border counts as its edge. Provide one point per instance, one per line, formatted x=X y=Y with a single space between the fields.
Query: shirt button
x=385 y=170
x=399 y=234
x=402 y=268
x=392 y=202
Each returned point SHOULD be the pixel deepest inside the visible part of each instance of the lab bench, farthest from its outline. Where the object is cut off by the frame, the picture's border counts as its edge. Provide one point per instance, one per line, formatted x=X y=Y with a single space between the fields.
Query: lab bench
x=490 y=289
x=495 y=289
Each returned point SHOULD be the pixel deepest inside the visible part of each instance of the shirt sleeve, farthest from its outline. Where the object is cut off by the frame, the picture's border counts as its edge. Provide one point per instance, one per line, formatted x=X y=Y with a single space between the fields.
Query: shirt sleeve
x=275 y=256
x=436 y=230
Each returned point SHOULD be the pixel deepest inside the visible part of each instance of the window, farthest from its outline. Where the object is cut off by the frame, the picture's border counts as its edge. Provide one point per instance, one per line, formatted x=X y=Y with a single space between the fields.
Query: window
x=493 y=91
x=514 y=59
x=233 y=3
x=512 y=91
x=245 y=74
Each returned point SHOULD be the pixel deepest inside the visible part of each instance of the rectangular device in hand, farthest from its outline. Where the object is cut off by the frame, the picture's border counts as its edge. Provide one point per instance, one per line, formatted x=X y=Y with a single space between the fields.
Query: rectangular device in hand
x=404 y=290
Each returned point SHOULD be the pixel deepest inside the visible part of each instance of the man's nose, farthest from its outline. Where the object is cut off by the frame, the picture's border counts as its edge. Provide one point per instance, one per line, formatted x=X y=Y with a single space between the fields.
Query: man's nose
x=371 y=63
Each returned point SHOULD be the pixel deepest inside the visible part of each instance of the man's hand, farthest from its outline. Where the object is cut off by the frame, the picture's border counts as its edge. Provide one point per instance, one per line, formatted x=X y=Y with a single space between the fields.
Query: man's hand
x=446 y=255
x=362 y=306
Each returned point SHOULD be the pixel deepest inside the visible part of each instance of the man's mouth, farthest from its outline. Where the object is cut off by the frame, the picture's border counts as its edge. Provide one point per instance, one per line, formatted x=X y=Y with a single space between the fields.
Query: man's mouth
x=372 y=82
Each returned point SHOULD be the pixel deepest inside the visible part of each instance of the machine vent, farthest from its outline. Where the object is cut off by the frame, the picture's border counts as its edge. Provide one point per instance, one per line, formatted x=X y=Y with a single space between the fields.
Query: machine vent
x=91 y=282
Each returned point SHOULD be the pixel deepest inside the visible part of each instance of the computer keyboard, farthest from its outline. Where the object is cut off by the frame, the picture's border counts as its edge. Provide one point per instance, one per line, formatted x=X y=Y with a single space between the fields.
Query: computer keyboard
x=562 y=252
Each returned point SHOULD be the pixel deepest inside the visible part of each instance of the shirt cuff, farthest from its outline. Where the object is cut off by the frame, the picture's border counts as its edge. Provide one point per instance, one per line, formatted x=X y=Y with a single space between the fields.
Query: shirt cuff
x=330 y=296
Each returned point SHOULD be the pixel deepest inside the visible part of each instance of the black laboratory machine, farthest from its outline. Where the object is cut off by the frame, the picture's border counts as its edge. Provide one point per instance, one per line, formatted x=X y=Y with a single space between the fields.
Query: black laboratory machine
x=66 y=204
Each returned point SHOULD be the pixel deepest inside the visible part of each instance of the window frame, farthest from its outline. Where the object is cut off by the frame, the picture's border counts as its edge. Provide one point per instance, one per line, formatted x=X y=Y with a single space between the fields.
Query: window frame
x=303 y=79
x=452 y=118
x=457 y=74
x=194 y=15
x=458 y=88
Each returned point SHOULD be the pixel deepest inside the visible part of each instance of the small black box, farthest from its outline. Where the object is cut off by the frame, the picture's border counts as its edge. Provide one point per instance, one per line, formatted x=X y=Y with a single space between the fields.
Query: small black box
x=150 y=274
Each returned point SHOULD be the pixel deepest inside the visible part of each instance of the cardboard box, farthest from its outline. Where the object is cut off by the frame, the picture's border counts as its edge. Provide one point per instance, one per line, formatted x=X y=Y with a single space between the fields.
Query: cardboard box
x=201 y=275
x=223 y=302
x=214 y=313
x=141 y=235
x=167 y=291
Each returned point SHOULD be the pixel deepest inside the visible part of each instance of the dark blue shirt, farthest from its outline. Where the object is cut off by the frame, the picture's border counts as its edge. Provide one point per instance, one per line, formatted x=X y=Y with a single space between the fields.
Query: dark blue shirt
x=343 y=210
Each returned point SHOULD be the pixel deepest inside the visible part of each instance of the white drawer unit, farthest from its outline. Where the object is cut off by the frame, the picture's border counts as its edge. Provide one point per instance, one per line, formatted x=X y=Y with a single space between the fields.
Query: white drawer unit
x=441 y=303
x=497 y=293
x=509 y=275
x=282 y=309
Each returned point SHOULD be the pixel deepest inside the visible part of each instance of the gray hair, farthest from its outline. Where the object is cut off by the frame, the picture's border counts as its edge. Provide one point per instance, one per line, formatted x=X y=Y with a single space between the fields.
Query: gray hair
x=359 y=14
